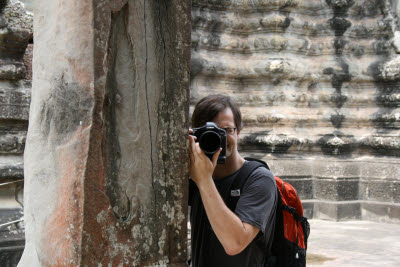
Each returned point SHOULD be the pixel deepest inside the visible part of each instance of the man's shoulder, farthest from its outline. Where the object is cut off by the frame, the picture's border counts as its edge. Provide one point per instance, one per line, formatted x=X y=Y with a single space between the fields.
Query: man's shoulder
x=261 y=173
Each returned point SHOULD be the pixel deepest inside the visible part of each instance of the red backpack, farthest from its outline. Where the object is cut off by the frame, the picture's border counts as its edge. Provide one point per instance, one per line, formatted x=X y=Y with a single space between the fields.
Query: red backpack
x=291 y=228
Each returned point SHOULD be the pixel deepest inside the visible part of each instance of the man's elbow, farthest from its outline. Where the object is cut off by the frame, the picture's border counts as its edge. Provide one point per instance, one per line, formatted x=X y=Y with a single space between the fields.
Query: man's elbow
x=234 y=249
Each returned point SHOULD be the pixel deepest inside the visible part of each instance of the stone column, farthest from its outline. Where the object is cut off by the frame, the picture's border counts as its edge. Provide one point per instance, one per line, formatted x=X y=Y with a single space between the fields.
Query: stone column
x=105 y=159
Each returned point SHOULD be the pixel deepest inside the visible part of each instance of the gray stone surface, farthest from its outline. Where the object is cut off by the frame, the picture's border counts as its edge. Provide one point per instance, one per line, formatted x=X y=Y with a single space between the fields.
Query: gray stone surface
x=353 y=243
x=15 y=32
x=396 y=42
x=17 y=17
x=333 y=210
x=28 y=4
x=12 y=236
x=318 y=82
x=15 y=92
x=330 y=185
x=14 y=101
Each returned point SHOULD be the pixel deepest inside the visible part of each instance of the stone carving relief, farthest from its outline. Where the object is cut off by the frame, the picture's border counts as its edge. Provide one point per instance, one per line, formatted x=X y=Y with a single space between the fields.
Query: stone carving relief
x=313 y=81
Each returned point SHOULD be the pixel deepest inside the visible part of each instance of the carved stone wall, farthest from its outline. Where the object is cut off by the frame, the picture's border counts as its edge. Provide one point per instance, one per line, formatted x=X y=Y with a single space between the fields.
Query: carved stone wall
x=15 y=88
x=318 y=82
x=104 y=164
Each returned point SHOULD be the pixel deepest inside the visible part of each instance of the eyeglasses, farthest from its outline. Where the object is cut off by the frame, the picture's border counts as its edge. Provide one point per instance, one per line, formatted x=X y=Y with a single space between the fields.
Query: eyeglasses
x=230 y=131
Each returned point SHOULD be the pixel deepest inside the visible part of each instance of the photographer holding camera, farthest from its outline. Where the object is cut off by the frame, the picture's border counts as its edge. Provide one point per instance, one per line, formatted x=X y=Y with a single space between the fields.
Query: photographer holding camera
x=220 y=236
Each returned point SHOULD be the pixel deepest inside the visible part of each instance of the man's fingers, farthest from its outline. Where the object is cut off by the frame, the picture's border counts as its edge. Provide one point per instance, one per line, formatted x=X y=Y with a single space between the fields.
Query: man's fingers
x=195 y=146
x=191 y=149
x=191 y=143
x=215 y=157
x=190 y=154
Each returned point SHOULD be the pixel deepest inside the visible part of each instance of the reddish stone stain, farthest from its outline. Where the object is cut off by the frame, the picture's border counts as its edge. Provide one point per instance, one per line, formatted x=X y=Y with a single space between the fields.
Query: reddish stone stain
x=61 y=240
x=82 y=74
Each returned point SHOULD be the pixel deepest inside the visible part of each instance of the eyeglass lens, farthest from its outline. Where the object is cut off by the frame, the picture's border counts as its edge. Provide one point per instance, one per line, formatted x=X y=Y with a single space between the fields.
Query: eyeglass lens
x=230 y=130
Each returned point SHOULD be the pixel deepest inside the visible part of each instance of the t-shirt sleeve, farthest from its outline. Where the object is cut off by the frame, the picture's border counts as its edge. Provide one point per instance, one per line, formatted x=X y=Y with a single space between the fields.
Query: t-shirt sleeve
x=258 y=199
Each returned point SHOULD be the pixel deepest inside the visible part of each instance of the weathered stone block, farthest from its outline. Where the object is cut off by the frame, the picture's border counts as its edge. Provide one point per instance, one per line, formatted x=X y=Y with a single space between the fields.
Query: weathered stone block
x=28 y=61
x=308 y=208
x=12 y=143
x=396 y=192
x=289 y=168
x=11 y=171
x=384 y=146
x=336 y=169
x=11 y=246
x=17 y=17
x=380 y=169
x=304 y=187
x=348 y=211
x=12 y=71
x=394 y=213
x=347 y=189
x=15 y=100
x=12 y=239
x=378 y=211
x=379 y=190
x=340 y=190
x=337 y=211
x=15 y=32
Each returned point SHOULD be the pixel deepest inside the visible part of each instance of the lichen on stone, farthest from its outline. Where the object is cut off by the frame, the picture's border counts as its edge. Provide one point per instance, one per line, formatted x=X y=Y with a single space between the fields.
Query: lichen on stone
x=17 y=17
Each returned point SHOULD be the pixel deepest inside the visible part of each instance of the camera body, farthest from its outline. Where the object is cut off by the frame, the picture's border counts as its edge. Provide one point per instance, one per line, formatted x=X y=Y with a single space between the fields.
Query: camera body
x=210 y=138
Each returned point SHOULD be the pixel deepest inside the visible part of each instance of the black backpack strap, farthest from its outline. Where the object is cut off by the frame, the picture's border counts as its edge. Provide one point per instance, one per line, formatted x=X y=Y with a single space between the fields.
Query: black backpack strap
x=258 y=160
x=241 y=178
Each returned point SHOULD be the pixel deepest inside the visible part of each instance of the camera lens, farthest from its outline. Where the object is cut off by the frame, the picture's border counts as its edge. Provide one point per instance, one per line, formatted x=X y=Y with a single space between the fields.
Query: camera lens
x=210 y=142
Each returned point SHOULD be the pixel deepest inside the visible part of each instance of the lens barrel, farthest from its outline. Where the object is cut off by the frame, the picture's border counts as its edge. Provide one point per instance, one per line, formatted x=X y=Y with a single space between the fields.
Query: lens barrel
x=210 y=142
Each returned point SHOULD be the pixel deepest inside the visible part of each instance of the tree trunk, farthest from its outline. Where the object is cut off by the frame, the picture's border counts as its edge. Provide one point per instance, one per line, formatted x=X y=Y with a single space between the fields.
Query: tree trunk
x=106 y=153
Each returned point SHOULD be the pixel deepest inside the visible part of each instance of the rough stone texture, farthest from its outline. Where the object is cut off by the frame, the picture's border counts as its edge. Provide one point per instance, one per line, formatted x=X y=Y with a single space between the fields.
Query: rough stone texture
x=15 y=88
x=14 y=100
x=106 y=145
x=28 y=60
x=318 y=82
x=15 y=31
x=28 y=5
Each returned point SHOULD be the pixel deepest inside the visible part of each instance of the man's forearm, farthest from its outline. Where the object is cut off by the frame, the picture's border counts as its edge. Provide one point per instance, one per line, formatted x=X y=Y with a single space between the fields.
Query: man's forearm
x=233 y=234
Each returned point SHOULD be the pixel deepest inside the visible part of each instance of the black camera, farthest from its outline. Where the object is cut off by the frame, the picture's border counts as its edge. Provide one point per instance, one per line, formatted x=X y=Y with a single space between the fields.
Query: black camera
x=210 y=138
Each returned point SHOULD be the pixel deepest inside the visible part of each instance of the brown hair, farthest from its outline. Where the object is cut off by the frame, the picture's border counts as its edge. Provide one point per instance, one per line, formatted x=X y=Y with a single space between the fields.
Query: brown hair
x=209 y=107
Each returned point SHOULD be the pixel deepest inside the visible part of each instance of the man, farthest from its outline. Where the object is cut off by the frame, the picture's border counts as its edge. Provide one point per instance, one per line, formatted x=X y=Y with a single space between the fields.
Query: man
x=221 y=237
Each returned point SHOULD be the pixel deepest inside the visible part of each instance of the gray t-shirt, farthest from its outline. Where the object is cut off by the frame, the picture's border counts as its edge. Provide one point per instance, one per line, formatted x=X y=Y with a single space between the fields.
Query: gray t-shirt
x=256 y=206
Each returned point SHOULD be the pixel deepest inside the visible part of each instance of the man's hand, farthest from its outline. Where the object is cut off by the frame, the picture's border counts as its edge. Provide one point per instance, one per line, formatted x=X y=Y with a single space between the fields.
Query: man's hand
x=200 y=166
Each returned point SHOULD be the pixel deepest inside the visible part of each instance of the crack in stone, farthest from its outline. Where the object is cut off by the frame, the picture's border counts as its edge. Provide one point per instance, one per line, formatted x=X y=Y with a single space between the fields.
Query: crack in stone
x=148 y=115
x=146 y=89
